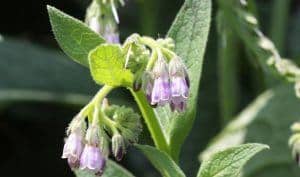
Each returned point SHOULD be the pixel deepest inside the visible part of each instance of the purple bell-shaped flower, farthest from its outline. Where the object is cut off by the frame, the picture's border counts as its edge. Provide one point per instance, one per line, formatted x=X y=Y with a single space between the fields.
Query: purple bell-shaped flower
x=73 y=148
x=179 y=85
x=92 y=160
x=161 y=86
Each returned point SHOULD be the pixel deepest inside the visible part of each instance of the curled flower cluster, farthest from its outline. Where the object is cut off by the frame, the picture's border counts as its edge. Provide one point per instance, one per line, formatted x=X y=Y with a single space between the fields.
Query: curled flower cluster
x=168 y=84
x=89 y=149
x=158 y=70
x=294 y=142
x=83 y=151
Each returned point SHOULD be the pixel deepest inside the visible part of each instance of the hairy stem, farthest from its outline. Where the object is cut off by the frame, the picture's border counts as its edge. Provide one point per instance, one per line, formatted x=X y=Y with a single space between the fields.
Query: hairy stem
x=151 y=121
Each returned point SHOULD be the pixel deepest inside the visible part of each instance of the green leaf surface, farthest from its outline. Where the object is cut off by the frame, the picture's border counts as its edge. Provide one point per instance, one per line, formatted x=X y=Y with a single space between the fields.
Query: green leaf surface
x=190 y=31
x=112 y=170
x=229 y=162
x=161 y=161
x=266 y=120
x=74 y=37
x=107 y=65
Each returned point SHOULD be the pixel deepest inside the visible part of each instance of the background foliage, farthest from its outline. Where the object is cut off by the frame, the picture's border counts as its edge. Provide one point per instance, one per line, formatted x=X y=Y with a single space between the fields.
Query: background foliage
x=40 y=90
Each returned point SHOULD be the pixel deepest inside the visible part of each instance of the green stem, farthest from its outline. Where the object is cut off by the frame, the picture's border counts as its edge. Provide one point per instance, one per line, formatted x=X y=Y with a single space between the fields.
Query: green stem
x=279 y=23
x=149 y=42
x=96 y=103
x=228 y=57
x=107 y=121
x=152 y=60
x=151 y=121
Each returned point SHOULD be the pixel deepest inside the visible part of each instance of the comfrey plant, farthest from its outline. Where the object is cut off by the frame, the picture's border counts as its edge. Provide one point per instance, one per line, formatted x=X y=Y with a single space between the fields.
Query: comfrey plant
x=162 y=75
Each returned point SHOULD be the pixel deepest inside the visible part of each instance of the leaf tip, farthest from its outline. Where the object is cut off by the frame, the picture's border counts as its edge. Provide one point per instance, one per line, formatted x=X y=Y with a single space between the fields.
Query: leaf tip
x=50 y=8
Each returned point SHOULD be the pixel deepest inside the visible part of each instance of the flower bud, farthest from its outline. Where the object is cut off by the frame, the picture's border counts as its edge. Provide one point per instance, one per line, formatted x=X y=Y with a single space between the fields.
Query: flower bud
x=167 y=43
x=118 y=147
x=128 y=122
x=294 y=142
x=92 y=160
x=73 y=148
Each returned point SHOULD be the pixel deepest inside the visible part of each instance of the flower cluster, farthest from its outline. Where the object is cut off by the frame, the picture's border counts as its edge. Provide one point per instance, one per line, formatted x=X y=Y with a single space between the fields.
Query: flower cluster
x=102 y=18
x=168 y=84
x=158 y=70
x=89 y=149
x=294 y=142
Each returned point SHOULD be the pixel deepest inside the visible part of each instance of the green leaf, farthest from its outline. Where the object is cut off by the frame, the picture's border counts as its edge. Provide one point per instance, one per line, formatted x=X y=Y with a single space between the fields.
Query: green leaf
x=107 y=65
x=229 y=162
x=73 y=36
x=112 y=170
x=161 y=161
x=266 y=120
x=190 y=31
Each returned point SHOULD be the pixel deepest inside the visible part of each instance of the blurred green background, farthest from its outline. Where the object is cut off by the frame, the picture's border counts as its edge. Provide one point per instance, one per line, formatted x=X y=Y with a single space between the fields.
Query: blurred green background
x=41 y=90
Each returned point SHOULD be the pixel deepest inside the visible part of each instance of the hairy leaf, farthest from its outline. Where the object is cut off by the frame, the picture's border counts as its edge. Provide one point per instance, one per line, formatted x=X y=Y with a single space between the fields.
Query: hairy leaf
x=161 y=161
x=266 y=120
x=229 y=162
x=190 y=31
x=73 y=36
x=112 y=170
x=107 y=66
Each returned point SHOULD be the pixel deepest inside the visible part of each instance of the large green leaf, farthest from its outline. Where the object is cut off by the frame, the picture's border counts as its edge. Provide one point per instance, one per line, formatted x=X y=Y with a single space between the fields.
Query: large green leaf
x=73 y=36
x=190 y=31
x=112 y=170
x=161 y=161
x=229 y=162
x=107 y=65
x=266 y=120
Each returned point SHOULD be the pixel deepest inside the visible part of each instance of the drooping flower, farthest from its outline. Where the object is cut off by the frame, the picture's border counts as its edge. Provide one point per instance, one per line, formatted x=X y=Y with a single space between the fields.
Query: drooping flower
x=161 y=86
x=92 y=159
x=179 y=84
x=111 y=34
x=147 y=85
x=73 y=148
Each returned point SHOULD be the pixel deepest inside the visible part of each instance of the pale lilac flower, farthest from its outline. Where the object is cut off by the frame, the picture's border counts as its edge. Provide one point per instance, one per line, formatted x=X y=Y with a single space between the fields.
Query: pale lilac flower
x=149 y=88
x=161 y=87
x=92 y=160
x=111 y=35
x=179 y=85
x=73 y=149
x=147 y=85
